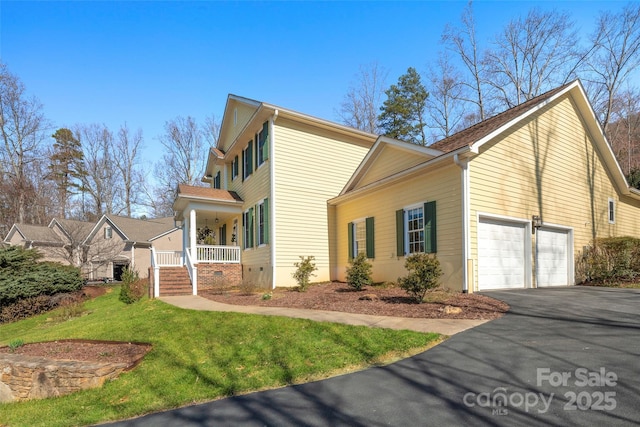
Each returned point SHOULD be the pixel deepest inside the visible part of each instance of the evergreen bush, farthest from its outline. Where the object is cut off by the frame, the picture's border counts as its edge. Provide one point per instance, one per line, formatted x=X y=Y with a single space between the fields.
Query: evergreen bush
x=22 y=276
x=424 y=272
x=359 y=272
x=132 y=288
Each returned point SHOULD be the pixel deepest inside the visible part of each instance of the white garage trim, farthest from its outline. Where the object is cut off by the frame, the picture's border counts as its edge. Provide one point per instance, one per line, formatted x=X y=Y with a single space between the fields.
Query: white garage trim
x=554 y=256
x=504 y=252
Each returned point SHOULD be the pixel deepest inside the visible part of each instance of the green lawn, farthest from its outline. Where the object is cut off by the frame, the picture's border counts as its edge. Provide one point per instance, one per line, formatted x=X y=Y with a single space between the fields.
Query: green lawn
x=198 y=356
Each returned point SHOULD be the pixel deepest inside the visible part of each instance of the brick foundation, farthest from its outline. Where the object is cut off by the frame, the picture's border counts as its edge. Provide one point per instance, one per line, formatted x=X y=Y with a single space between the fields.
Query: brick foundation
x=218 y=277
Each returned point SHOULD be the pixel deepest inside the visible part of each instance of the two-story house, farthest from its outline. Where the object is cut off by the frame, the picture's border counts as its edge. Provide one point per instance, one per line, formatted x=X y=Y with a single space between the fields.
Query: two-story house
x=270 y=178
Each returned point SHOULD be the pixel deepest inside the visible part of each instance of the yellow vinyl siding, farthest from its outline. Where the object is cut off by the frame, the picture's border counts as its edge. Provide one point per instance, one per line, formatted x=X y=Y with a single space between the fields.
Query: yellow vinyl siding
x=390 y=161
x=245 y=112
x=252 y=190
x=312 y=166
x=567 y=186
x=442 y=185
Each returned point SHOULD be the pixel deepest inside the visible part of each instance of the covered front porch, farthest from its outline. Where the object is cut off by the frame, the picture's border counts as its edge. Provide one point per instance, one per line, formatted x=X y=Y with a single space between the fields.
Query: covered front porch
x=211 y=255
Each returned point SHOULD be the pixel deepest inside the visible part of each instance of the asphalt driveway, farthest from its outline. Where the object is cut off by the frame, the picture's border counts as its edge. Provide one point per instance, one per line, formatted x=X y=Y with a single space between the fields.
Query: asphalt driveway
x=563 y=356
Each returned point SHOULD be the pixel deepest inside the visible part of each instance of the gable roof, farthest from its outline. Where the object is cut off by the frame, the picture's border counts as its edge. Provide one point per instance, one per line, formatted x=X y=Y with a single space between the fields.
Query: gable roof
x=468 y=141
x=135 y=230
x=74 y=230
x=421 y=152
x=34 y=233
x=481 y=130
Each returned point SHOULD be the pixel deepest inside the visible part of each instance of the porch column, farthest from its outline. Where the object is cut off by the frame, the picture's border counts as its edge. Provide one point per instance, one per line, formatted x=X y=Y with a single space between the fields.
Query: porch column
x=192 y=235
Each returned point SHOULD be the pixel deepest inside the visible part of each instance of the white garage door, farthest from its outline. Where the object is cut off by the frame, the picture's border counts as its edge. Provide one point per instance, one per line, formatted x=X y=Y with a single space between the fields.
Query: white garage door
x=553 y=257
x=501 y=258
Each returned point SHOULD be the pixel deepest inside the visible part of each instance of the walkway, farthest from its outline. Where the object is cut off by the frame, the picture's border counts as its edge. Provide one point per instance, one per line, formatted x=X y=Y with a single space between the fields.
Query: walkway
x=441 y=326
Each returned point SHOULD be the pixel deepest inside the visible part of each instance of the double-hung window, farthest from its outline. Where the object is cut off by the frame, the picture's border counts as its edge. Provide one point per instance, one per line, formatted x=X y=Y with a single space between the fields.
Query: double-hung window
x=247 y=226
x=416 y=229
x=612 y=211
x=217 y=181
x=361 y=238
x=234 y=167
x=108 y=232
x=262 y=220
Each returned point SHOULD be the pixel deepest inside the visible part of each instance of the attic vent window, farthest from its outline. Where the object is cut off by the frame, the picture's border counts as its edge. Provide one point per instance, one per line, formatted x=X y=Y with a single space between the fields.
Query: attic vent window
x=235 y=116
x=108 y=233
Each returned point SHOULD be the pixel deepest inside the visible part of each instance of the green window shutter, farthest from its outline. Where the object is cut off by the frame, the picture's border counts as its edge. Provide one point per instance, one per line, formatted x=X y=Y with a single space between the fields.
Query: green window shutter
x=265 y=145
x=250 y=158
x=266 y=220
x=244 y=225
x=370 y=240
x=350 y=240
x=430 y=235
x=242 y=165
x=251 y=228
x=400 y=232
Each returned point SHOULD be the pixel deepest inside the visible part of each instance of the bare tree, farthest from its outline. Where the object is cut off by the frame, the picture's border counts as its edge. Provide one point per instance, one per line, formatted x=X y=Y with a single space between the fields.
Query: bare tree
x=22 y=126
x=623 y=132
x=211 y=131
x=445 y=97
x=616 y=42
x=532 y=55
x=79 y=251
x=183 y=162
x=100 y=185
x=463 y=41
x=127 y=152
x=361 y=104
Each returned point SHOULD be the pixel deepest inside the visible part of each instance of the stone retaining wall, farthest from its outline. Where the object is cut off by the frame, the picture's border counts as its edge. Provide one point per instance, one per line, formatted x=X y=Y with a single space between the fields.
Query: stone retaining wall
x=28 y=377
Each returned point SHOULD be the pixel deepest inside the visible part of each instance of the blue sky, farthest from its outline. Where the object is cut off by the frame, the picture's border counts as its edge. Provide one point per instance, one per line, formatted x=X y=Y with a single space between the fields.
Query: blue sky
x=145 y=62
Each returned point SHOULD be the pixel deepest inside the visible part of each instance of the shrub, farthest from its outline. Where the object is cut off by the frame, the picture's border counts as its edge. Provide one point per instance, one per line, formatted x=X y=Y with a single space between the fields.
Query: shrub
x=610 y=259
x=305 y=269
x=359 y=272
x=15 y=344
x=424 y=272
x=133 y=287
x=21 y=276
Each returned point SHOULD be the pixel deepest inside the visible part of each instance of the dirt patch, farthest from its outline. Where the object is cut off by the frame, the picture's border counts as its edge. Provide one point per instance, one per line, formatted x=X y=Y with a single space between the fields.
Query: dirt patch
x=382 y=301
x=84 y=350
x=92 y=291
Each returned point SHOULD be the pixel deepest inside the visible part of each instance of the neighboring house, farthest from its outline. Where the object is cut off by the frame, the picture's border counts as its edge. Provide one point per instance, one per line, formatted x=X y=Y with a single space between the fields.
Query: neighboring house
x=510 y=202
x=102 y=249
x=270 y=178
x=119 y=242
x=48 y=242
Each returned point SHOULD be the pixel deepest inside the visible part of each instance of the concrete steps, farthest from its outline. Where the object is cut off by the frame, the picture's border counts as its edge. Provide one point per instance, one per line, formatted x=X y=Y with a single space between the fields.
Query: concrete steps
x=175 y=281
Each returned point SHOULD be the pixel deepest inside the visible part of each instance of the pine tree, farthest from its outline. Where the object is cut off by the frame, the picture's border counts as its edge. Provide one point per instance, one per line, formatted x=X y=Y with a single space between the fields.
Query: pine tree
x=66 y=166
x=403 y=112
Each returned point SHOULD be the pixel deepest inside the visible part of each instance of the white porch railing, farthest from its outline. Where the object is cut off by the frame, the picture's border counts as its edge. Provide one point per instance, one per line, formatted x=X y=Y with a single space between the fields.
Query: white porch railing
x=156 y=273
x=169 y=258
x=193 y=272
x=218 y=254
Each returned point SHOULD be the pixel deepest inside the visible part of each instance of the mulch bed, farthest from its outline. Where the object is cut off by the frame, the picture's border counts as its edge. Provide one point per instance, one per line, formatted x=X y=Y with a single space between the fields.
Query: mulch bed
x=84 y=350
x=383 y=301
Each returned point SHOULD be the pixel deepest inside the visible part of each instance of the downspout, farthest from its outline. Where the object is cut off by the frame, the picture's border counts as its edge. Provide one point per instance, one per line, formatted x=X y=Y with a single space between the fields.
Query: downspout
x=463 y=165
x=272 y=204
